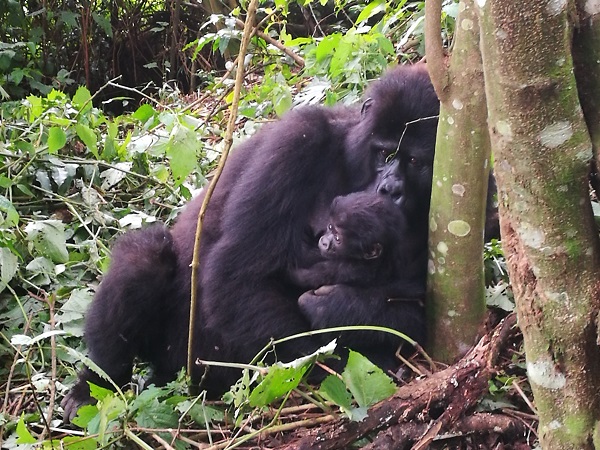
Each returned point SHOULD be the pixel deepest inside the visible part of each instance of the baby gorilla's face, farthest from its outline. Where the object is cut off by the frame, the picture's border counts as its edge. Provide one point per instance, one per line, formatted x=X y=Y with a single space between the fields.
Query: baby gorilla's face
x=338 y=243
x=331 y=243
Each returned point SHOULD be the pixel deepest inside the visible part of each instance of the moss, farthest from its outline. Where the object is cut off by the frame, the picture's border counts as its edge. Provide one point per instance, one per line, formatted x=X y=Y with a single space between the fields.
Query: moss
x=578 y=427
x=573 y=247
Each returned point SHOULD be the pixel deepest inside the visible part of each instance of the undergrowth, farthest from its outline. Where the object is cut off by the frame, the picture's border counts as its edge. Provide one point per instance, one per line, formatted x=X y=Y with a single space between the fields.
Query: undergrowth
x=73 y=178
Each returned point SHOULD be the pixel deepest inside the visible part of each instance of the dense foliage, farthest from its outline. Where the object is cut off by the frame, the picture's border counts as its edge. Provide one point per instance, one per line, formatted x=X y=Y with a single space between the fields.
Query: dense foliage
x=74 y=175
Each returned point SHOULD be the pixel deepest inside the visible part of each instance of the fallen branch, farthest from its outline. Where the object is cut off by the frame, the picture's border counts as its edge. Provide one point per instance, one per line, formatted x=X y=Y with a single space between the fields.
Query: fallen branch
x=398 y=437
x=406 y=415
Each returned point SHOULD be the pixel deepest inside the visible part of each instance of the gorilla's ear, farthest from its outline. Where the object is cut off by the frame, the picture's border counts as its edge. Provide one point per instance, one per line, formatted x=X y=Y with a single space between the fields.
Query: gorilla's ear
x=374 y=252
x=365 y=106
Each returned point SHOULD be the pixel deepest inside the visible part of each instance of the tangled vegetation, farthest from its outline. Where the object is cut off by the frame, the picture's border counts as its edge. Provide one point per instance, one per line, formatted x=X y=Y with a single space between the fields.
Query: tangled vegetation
x=76 y=171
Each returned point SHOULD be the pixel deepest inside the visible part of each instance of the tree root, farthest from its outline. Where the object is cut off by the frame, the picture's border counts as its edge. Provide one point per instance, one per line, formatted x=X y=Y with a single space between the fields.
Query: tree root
x=426 y=409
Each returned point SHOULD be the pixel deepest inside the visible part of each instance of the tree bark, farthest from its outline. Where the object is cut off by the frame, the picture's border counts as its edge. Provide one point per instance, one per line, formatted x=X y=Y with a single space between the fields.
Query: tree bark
x=456 y=291
x=542 y=149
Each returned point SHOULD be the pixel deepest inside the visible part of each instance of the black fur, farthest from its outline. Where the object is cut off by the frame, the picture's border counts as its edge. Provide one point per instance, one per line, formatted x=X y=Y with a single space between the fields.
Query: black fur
x=264 y=221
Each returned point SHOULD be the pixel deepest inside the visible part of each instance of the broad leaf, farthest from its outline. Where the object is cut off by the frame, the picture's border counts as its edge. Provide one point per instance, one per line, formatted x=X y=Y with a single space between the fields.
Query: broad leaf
x=82 y=99
x=56 y=139
x=88 y=137
x=48 y=238
x=366 y=381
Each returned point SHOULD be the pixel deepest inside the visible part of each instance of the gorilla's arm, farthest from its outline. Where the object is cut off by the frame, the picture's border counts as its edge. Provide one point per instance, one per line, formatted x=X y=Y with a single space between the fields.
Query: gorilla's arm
x=331 y=272
x=398 y=306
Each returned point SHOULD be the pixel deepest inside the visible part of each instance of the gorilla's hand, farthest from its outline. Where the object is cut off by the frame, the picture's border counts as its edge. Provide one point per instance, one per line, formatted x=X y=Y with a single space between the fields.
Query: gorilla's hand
x=315 y=305
x=323 y=290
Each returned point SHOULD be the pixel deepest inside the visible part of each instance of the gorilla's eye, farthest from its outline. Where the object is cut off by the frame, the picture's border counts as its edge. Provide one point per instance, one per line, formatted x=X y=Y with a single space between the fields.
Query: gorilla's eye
x=330 y=227
x=413 y=161
x=337 y=238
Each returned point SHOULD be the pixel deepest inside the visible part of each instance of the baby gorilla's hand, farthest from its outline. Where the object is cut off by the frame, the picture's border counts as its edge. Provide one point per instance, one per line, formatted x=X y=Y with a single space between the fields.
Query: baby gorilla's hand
x=316 y=305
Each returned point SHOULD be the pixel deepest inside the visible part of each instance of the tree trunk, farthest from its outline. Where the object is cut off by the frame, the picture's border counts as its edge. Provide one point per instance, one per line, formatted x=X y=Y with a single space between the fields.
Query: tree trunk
x=542 y=149
x=456 y=296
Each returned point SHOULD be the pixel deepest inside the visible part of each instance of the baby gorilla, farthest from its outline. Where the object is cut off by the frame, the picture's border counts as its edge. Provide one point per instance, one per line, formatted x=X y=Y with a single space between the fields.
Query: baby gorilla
x=361 y=245
x=367 y=247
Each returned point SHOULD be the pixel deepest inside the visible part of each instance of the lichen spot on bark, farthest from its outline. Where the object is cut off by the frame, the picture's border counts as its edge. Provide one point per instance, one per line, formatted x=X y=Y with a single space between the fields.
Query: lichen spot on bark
x=442 y=247
x=430 y=267
x=453 y=313
x=555 y=7
x=554 y=425
x=459 y=228
x=585 y=155
x=544 y=374
x=481 y=3
x=432 y=224
x=556 y=134
x=558 y=297
x=450 y=120
x=458 y=189
x=467 y=24
x=531 y=236
x=457 y=104
x=592 y=7
x=505 y=130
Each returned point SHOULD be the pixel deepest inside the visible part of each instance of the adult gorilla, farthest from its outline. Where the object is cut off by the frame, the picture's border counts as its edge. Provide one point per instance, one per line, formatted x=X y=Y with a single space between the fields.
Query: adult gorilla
x=269 y=209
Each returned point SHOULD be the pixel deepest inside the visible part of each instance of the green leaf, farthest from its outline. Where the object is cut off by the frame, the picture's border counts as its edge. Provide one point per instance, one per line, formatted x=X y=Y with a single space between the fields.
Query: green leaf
x=282 y=99
x=370 y=10
x=82 y=100
x=25 y=437
x=279 y=381
x=48 y=238
x=69 y=18
x=157 y=415
x=9 y=263
x=109 y=409
x=56 y=139
x=73 y=311
x=72 y=443
x=36 y=109
x=88 y=137
x=181 y=152
x=201 y=413
x=143 y=113
x=334 y=389
x=99 y=392
x=328 y=46
x=366 y=381
x=104 y=23
x=12 y=216
x=85 y=414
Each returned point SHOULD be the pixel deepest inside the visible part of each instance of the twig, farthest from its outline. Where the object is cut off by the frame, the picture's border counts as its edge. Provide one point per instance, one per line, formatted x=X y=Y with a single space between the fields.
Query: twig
x=14 y=363
x=275 y=43
x=50 y=301
x=517 y=387
x=161 y=441
x=211 y=187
